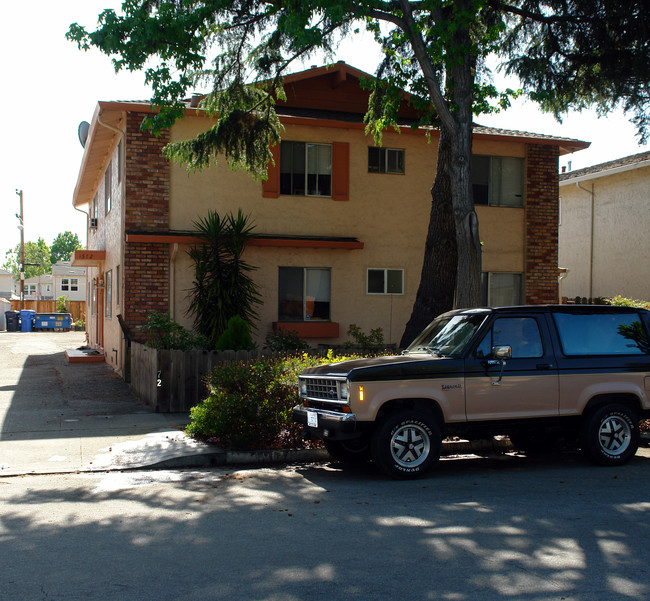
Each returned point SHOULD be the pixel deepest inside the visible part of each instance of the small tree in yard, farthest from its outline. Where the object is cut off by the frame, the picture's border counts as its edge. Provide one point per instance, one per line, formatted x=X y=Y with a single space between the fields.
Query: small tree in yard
x=222 y=287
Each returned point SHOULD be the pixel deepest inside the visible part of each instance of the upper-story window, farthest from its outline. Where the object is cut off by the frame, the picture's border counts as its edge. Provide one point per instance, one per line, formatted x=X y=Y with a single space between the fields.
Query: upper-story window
x=385 y=160
x=305 y=169
x=120 y=160
x=74 y=284
x=65 y=284
x=108 y=185
x=498 y=181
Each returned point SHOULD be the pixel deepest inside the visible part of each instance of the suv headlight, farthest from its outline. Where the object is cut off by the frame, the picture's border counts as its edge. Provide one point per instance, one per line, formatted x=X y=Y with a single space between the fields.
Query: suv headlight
x=345 y=390
x=303 y=387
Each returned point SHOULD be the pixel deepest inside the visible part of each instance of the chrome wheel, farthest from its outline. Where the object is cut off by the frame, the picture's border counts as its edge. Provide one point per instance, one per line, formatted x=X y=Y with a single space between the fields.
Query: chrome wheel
x=610 y=434
x=615 y=435
x=406 y=443
x=410 y=445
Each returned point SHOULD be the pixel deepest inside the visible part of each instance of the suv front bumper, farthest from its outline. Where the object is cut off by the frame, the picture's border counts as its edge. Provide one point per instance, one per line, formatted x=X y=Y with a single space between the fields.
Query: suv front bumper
x=322 y=423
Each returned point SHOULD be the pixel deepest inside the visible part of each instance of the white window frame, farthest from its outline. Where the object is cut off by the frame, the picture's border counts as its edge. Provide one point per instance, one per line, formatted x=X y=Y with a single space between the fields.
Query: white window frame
x=65 y=284
x=385 y=270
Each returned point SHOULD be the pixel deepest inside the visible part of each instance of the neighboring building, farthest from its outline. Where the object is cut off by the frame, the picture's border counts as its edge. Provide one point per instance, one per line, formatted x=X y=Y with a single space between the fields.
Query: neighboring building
x=604 y=224
x=69 y=281
x=7 y=284
x=340 y=223
x=40 y=287
x=64 y=280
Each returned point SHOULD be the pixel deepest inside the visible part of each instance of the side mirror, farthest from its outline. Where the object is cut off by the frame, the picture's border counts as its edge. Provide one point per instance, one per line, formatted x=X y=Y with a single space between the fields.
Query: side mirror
x=502 y=352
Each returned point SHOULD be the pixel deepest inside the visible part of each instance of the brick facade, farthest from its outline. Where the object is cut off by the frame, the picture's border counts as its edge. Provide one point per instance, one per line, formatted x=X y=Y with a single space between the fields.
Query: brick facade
x=146 y=209
x=542 y=195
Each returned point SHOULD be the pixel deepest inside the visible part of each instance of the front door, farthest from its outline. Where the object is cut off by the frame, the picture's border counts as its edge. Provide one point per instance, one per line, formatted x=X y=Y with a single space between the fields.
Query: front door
x=525 y=384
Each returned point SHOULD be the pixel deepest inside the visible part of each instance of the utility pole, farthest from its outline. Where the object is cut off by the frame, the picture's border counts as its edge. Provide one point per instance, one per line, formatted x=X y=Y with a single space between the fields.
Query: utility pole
x=21 y=227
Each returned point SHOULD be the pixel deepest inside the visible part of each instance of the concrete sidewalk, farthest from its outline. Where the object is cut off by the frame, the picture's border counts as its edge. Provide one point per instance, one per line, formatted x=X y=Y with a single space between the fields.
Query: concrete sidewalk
x=57 y=416
x=61 y=417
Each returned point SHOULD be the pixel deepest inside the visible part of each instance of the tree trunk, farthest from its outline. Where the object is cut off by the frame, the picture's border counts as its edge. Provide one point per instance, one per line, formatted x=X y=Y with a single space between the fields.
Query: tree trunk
x=468 y=277
x=437 y=282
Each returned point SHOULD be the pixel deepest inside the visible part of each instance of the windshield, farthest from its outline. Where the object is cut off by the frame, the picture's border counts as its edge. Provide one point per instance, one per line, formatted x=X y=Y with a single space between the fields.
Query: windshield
x=447 y=335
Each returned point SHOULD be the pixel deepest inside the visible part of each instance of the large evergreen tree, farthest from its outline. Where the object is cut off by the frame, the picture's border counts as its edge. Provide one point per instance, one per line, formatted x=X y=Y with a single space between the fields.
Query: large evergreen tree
x=597 y=52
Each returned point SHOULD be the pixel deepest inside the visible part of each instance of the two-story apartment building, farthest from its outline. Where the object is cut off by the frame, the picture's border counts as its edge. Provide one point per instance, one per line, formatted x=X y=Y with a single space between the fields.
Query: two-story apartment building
x=340 y=223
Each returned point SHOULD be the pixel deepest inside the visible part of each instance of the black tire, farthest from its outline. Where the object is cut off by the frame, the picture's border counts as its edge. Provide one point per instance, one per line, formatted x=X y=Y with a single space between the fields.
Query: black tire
x=353 y=450
x=610 y=435
x=406 y=444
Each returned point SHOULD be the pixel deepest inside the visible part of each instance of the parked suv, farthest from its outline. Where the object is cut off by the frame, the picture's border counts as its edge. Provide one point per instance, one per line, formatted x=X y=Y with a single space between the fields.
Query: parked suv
x=534 y=373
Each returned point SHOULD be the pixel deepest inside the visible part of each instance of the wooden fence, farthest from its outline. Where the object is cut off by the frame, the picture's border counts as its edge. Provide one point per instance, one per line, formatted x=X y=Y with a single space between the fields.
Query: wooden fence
x=76 y=308
x=174 y=381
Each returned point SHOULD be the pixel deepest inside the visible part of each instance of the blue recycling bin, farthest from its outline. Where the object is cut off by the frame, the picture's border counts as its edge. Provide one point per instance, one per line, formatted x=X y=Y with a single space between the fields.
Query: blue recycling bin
x=27 y=320
x=52 y=321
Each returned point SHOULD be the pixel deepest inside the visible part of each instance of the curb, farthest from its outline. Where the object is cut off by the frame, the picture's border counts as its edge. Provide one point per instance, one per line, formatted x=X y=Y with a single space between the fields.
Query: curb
x=219 y=458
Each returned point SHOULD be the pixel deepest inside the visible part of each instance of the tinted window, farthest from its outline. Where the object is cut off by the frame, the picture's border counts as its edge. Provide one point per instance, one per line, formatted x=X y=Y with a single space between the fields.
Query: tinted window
x=601 y=334
x=521 y=334
x=447 y=335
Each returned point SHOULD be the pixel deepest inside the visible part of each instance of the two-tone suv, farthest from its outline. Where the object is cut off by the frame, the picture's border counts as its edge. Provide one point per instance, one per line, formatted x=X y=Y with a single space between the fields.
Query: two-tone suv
x=534 y=373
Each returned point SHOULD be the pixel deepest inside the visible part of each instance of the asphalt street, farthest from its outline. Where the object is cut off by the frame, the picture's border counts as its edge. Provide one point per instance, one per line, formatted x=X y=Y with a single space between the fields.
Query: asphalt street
x=492 y=527
x=485 y=529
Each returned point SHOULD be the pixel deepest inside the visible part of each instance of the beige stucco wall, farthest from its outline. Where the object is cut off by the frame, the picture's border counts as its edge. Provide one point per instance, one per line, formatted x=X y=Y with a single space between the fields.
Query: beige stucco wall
x=621 y=244
x=388 y=213
x=108 y=236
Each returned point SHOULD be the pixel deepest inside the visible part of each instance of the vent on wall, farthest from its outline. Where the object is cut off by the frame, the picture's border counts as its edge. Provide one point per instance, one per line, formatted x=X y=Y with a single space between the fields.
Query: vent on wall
x=93 y=223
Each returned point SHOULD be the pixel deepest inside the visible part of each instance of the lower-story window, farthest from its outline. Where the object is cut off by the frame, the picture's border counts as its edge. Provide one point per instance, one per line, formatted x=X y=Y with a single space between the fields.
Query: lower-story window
x=385 y=281
x=501 y=289
x=304 y=294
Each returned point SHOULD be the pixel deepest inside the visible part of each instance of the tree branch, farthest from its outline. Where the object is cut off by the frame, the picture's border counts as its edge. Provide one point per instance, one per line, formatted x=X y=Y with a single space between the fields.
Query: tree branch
x=431 y=79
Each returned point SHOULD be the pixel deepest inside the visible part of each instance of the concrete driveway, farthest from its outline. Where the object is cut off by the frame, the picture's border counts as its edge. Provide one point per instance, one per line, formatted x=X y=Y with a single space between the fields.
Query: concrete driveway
x=57 y=416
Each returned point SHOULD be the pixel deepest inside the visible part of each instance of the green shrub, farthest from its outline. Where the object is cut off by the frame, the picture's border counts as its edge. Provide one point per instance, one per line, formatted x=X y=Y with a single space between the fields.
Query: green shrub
x=62 y=304
x=628 y=302
x=162 y=332
x=250 y=403
x=374 y=340
x=237 y=336
x=285 y=342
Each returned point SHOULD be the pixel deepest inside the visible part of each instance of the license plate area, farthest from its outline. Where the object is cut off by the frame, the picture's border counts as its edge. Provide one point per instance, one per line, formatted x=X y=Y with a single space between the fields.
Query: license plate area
x=312 y=419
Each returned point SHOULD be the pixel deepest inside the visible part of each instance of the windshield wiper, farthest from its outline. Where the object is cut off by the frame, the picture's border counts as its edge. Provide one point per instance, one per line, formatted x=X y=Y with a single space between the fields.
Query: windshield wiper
x=427 y=349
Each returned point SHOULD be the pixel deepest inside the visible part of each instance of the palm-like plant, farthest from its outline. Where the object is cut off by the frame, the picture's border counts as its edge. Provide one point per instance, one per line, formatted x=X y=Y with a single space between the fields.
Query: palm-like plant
x=222 y=286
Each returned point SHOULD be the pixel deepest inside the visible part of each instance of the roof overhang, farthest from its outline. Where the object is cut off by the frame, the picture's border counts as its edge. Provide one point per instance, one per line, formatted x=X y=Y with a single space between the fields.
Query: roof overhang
x=268 y=241
x=87 y=258
x=570 y=180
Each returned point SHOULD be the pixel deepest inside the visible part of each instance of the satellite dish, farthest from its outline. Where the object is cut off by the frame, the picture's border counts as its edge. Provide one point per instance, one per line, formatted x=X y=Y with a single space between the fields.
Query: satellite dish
x=82 y=131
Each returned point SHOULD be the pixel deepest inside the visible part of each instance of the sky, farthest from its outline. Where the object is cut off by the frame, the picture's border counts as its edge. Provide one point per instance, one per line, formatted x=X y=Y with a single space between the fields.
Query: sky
x=51 y=86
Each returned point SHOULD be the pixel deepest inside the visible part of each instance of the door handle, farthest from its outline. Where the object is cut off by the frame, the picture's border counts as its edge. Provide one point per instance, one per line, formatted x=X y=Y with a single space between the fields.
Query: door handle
x=544 y=366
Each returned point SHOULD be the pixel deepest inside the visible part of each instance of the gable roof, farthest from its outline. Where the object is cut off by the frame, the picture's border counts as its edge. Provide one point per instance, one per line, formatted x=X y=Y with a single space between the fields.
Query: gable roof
x=329 y=95
x=633 y=161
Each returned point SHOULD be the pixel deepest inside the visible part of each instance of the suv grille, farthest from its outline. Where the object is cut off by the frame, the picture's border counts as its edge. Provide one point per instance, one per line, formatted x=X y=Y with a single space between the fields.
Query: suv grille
x=323 y=388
